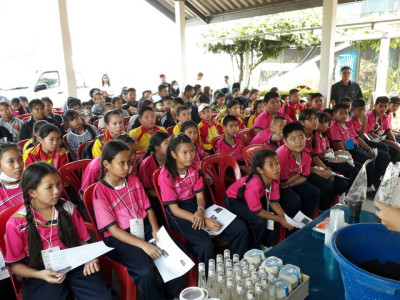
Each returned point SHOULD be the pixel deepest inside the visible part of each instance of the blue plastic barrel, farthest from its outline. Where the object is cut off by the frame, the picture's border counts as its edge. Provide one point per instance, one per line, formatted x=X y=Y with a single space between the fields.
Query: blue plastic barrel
x=359 y=243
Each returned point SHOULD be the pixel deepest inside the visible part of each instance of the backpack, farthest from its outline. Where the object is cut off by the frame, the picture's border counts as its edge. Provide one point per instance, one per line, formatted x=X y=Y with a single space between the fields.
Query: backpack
x=87 y=151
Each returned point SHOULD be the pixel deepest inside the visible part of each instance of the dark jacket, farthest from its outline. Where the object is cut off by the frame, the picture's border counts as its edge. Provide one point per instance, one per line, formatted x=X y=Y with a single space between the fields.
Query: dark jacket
x=27 y=128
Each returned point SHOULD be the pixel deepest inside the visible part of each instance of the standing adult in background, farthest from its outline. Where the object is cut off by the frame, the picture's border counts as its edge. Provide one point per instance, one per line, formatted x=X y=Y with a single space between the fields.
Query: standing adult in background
x=345 y=88
x=163 y=78
x=187 y=95
x=174 y=92
x=106 y=88
x=228 y=85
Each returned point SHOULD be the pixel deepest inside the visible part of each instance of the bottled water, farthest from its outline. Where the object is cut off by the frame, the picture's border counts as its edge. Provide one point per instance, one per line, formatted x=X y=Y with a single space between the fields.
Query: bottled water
x=220 y=287
x=220 y=269
x=235 y=258
x=259 y=292
x=240 y=292
x=212 y=284
x=220 y=259
x=271 y=287
x=227 y=255
x=250 y=295
x=230 y=290
x=201 y=280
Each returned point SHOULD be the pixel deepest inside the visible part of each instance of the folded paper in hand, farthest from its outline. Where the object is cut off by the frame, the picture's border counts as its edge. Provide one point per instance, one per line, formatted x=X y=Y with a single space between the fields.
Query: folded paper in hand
x=299 y=221
x=220 y=214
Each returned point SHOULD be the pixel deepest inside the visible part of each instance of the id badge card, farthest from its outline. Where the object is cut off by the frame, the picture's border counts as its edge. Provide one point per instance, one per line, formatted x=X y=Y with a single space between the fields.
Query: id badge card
x=46 y=257
x=270 y=223
x=137 y=228
x=349 y=144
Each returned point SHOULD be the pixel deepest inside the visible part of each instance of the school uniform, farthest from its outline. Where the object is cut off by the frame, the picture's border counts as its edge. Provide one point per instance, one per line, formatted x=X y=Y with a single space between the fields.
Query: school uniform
x=292 y=110
x=13 y=126
x=256 y=199
x=327 y=187
x=27 y=127
x=177 y=129
x=142 y=136
x=345 y=132
x=321 y=146
x=146 y=170
x=57 y=158
x=251 y=120
x=389 y=120
x=99 y=144
x=305 y=196
x=236 y=150
x=207 y=132
x=379 y=128
x=182 y=191
x=199 y=155
x=74 y=139
x=10 y=195
x=82 y=287
x=29 y=144
x=91 y=174
x=167 y=120
x=117 y=206
x=58 y=118
x=264 y=120
x=265 y=137
x=216 y=108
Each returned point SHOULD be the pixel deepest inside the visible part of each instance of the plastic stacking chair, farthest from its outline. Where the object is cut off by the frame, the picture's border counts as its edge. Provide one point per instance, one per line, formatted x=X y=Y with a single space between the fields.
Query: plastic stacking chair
x=248 y=153
x=22 y=143
x=246 y=135
x=214 y=142
x=68 y=148
x=128 y=288
x=215 y=168
x=71 y=175
x=80 y=149
x=170 y=130
x=4 y=217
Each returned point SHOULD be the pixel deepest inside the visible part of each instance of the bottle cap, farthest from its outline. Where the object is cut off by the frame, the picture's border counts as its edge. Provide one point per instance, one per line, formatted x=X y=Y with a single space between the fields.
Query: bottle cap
x=211 y=272
x=249 y=282
x=229 y=282
x=221 y=276
x=250 y=294
x=202 y=267
x=258 y=287
x=239 y=288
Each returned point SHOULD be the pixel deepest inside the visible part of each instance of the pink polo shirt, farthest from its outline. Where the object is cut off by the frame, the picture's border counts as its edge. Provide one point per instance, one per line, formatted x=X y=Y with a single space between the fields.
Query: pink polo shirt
x=341 y=133
x=289 y=166
x=254 y=192
x=372 y=124
x=118 y=207
x=263 y=121
x=264 y=137
x=309 y=143
x=146 y=170
x=389 y=119
x=321 y=144
x=180 y=189
x=355 y=123
x=236 y=150
x=17 y=232
x=199 y=155
x=10 y=197
x=91 y=174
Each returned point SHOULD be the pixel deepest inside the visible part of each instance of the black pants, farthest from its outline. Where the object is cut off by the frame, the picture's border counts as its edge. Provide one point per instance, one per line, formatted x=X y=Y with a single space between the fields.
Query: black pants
x=393 y=151
x=91 y=287
x=344 y=168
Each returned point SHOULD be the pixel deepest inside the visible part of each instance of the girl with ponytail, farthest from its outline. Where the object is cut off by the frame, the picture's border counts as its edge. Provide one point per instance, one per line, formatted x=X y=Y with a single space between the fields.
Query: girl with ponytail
x=48 y=222
x=154 y=159
x=252 y=197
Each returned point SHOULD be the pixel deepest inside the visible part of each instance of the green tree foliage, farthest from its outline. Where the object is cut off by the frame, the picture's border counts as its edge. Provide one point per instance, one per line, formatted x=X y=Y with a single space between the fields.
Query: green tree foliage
x=249 y=39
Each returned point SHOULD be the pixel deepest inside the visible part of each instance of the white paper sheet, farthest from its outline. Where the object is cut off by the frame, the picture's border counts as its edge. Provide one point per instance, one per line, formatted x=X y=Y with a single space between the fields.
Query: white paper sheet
x=375 y=151
x=379 y=139
x=220 y=214
x=68 y=259
x=292 y=222
x=173 y=263
x=3 y=269
x=301 y=218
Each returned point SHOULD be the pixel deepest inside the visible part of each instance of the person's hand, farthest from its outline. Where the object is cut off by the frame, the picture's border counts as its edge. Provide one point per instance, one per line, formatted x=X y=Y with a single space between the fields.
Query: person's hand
x=151 y=250
x=212 y=224
x=87 y=119
x=91 y=267
x=52 y=276
x=370 y=151
x=389 y=215
x=154 y=234
x=363 y=119
x=284 y=223
x=198 y=219
x=327 y=174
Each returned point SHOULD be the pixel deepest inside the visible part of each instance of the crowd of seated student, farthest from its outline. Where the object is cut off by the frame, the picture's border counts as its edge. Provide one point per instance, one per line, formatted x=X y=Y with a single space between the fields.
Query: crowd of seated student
x=295 y=174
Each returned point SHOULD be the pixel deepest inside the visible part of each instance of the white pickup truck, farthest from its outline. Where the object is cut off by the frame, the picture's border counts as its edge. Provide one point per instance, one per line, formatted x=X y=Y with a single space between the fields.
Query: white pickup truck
x=50 y=84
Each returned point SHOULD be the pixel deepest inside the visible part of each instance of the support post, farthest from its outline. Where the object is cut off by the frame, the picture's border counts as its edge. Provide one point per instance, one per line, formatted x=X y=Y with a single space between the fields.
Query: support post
x=327 y=48
x=383 y=65
x=181 y=53
x=67 y=48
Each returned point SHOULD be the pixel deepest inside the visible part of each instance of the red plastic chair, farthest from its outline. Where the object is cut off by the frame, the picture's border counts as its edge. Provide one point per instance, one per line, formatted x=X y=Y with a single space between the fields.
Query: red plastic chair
x=80 y=149
x=4 y=217
x=24 y=117
x=22 y=143
x=246 y=135
x=68 y=148
x=96 y=123
x=126 y=121
x=191 y=279
x=215 y=169
x=170 y=130
x=139 y=156
x=248 y=153
x=214 y=142
x=71 y=175
x=128 y=288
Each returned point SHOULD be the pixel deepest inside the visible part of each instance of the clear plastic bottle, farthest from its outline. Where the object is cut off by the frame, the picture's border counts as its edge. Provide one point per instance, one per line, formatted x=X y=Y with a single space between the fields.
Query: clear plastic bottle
x=228 y=264
x=271 y=287
x=244 y=263
x=248 y=284
x=240 y=295
x=262 y=272
x=220 y=269
x=230 y=290
x=254 y=276
x=229 y=273
x=246 y=272
x=212 y=284
x=211 y=263
x=220 y=286
x=238 y=279
x=259 y=292
x=235 y=258
x=227 y=254
x=252 y=267
x=237 y=269
x=201 y=278
x=220 y=259
x=250 y=295
x=264 y=284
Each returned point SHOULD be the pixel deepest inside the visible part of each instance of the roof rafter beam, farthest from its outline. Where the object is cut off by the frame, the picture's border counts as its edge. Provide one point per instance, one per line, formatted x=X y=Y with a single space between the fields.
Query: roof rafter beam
x=162 y=9
x=194 y=10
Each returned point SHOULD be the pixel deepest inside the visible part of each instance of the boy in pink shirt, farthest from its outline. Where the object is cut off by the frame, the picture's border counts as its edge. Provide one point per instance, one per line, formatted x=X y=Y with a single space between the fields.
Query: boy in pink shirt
x=295 y=165
x=272 y=137
x=272 y=106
